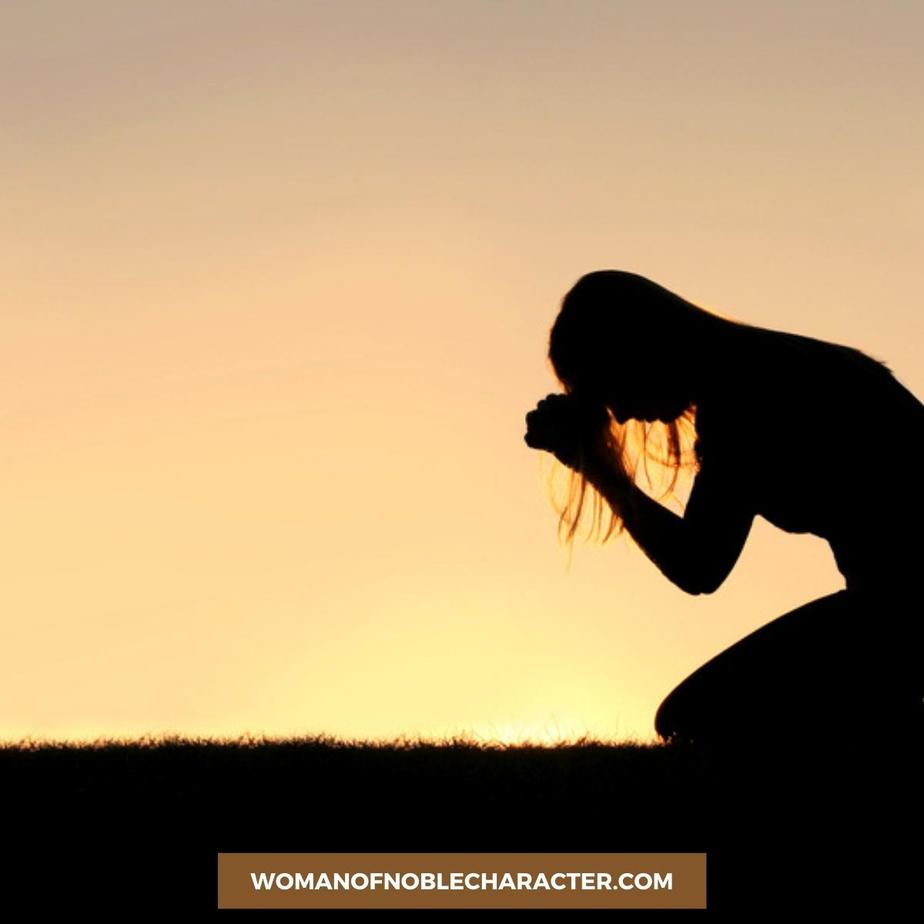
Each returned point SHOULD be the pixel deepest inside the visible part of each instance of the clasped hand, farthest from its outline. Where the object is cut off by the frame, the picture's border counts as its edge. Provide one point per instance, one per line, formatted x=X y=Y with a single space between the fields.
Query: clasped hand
x=566 y=426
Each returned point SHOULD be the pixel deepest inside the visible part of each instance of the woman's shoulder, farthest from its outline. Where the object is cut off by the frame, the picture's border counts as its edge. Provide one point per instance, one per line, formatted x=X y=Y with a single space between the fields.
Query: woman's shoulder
x=799 y=389
x=864 y=387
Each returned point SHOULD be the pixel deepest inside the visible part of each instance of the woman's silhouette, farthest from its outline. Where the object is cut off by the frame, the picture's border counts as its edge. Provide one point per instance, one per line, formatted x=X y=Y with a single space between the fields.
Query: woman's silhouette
x=813 y=436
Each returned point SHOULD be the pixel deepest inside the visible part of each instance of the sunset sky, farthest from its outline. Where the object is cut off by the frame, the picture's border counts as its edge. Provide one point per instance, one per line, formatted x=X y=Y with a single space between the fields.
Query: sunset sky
x=277 y=284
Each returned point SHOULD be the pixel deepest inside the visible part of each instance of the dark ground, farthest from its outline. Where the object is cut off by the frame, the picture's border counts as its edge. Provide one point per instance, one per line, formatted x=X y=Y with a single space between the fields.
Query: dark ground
x=138 y=826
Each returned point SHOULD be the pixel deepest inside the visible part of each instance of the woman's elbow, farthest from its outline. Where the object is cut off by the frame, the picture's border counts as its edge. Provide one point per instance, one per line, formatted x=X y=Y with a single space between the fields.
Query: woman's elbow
x=710 y=587
x=694 y=589
x=701 y=582
x=708 y=567
x=690 y=585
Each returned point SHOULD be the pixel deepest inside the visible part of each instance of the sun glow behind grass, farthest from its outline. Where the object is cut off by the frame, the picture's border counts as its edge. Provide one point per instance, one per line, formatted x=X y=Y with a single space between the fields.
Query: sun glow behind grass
x=510 y=737
x=551 y=732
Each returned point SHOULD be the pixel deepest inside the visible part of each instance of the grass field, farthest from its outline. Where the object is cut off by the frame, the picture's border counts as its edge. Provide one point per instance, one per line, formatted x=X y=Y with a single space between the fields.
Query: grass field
x=139 y=823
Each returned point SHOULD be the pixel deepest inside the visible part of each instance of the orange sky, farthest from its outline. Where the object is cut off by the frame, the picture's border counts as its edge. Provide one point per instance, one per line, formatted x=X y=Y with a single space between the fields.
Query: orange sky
x=277 y=284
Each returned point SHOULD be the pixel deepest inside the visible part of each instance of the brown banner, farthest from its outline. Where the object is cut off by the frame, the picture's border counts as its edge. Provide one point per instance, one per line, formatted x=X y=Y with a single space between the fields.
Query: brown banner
x=461 y=880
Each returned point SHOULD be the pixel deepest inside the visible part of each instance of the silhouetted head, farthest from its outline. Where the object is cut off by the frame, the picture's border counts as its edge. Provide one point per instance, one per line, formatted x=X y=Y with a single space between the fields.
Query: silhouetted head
x=629 y=343
x=648 y=356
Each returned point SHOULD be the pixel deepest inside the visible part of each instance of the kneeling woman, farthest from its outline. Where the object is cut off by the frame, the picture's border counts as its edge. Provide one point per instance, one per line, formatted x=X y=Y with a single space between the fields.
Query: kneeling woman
x=787 y=427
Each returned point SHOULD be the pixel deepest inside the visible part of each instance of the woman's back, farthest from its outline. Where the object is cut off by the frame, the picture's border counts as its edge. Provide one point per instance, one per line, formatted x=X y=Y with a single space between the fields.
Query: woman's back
x=821 y=438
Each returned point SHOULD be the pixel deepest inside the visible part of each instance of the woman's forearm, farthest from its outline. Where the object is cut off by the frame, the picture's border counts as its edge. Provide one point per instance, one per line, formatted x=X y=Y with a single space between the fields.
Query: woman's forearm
x=660 y=533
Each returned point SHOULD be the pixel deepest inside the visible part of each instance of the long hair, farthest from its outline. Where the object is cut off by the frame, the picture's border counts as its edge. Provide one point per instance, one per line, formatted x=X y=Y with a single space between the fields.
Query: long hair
x=659 y=451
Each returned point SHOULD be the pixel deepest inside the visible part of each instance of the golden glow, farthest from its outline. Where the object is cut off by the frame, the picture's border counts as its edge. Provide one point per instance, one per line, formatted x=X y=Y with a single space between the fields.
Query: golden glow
x=278 y=281
x=543 y=733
